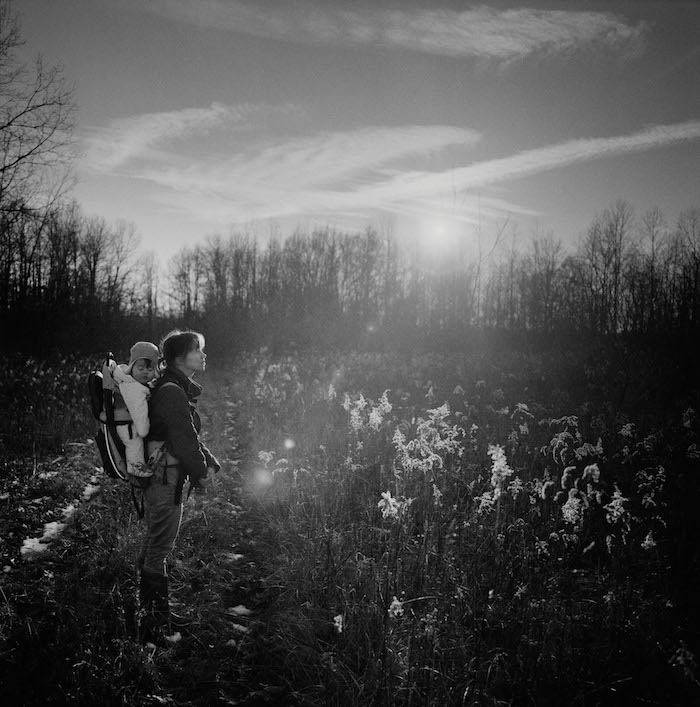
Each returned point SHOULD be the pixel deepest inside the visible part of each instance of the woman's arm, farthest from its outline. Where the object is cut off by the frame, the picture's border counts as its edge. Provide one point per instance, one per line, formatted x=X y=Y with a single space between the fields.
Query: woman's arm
x=209 y=458
x=182 y=439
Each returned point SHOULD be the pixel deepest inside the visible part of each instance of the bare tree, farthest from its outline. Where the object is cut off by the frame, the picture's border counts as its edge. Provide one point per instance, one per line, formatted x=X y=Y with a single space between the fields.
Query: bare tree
x=216 y=270
x=546 y=261
x=37 y=115
x=36 y=122
x=93 y=245
x=605 y=248
x=149 y=278
x=688 y=238
x=186 y=273
x=654 y=236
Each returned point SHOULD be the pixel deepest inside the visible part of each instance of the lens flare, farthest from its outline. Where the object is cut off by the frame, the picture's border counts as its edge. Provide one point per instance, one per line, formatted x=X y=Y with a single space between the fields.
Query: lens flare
x=263 y=477
x=289 y=443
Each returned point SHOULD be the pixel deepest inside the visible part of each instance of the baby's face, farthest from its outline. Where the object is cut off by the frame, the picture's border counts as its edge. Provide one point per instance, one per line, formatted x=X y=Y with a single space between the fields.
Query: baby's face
x=143 y=371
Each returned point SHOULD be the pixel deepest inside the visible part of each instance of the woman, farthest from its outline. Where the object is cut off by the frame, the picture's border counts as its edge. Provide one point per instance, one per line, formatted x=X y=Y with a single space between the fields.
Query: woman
x=175 y=424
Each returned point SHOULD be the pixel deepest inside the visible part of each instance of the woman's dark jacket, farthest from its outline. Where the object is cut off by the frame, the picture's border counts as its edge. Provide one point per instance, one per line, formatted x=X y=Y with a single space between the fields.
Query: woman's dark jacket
x=174 y=419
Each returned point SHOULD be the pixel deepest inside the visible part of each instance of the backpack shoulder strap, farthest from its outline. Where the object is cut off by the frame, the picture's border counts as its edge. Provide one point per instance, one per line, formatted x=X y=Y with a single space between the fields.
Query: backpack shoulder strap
x=162 y=382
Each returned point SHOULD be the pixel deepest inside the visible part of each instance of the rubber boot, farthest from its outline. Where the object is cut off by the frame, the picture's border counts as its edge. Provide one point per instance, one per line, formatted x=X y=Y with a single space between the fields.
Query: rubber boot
x=155 y=612
x=174 y=620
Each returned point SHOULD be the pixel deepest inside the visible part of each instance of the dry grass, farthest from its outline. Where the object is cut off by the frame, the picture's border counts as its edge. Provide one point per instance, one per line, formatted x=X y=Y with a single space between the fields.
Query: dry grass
x=456 y=598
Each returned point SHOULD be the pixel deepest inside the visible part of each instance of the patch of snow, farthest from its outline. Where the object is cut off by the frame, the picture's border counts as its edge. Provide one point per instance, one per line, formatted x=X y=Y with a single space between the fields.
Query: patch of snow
x=90 y=491
x=52 y=531
x=31 y=547
x=240 y=629
x=239 y=610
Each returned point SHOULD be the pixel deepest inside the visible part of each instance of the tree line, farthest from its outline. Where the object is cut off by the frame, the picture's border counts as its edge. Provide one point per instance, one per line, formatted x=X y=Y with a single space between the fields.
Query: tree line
x=73 y=282
x=625 y=276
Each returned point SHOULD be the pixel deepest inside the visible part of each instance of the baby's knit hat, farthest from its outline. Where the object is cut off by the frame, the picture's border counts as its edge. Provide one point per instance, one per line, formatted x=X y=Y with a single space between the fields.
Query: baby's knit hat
x=143 y=349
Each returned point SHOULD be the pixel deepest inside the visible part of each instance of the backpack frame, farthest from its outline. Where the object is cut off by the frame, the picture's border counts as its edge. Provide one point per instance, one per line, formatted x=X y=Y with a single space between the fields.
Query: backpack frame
x=104 y=395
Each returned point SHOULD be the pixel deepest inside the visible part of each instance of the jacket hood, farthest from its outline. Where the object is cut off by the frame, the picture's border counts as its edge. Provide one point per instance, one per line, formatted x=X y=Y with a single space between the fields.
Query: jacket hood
x=120 y=373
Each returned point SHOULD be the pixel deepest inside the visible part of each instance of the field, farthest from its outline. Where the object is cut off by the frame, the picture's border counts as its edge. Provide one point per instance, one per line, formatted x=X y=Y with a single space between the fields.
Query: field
x=490 y=527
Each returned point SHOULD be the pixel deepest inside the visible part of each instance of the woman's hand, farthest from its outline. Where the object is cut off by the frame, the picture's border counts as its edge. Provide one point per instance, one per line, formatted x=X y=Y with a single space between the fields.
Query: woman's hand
x=199 y=491
x=201 y=485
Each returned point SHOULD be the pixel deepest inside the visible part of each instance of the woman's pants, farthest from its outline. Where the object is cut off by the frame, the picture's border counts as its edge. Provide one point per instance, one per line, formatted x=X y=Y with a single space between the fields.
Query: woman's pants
x=163 y=518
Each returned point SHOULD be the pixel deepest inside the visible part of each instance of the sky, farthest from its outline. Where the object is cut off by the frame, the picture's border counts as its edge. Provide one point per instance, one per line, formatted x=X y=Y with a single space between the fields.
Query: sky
x=432 y=118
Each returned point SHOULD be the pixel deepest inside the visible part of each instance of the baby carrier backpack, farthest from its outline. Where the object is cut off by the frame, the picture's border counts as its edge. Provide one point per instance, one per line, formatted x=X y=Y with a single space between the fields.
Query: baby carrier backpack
x=109 y=409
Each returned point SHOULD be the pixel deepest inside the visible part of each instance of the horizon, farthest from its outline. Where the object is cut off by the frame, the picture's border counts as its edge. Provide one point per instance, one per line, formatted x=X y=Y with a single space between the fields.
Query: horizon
x=429 y=122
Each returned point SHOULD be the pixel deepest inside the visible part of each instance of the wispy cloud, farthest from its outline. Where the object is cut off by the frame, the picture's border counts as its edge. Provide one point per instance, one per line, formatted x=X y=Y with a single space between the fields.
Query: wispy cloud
x=290 y=177
x=125 y=139
x=475 y=32
x=341 y=174
x=266 y=186
x=417 y=184
x=321 y=160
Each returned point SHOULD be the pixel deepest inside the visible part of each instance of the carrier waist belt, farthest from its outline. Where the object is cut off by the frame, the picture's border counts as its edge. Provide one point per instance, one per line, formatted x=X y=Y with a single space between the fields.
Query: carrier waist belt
x=170 y=460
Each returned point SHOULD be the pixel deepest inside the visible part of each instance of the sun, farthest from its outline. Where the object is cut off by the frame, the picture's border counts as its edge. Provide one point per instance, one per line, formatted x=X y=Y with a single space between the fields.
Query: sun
x=439 y=235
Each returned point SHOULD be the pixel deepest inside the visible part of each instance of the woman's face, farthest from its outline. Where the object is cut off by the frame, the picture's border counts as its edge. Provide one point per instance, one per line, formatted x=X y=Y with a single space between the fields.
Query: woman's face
x=143 y=370
x=195 y=360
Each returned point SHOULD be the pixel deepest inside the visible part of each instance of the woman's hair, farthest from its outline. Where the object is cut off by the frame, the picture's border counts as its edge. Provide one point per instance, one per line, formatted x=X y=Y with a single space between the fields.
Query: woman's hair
x=179 y=343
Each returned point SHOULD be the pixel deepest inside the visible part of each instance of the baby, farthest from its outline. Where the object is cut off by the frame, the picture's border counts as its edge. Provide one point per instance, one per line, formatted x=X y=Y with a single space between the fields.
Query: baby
x=133 y=380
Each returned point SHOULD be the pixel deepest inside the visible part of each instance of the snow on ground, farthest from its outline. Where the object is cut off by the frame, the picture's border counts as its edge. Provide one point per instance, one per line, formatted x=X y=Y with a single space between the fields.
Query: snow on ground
x=33 y=547
x=52 y=531
x=90 y=491
x=239 y=610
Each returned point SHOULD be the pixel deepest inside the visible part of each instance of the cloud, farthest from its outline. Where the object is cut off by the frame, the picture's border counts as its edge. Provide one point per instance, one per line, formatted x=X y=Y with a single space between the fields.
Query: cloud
x=334 y=174
x=137 y=137
x=321 y=160
x=338 y=174
x=416 y=184
x=291 y=176
x=503 y=35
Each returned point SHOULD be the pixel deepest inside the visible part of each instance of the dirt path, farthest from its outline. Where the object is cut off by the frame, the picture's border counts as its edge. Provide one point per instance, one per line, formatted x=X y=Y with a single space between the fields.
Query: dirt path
x=66 y=614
